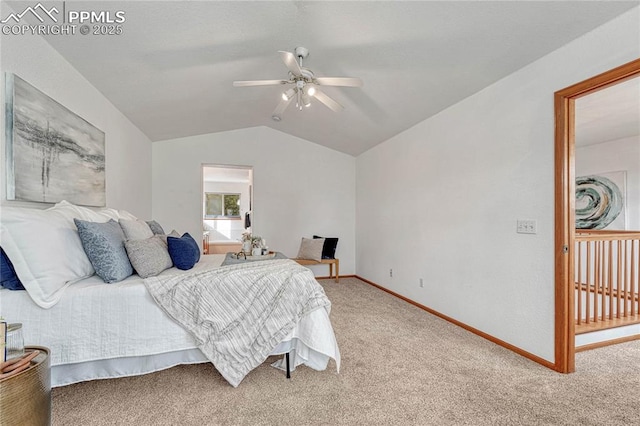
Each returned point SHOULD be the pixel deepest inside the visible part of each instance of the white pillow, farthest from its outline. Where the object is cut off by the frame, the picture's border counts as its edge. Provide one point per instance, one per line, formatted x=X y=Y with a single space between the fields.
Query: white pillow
x=46 y=251
x=123 y=214
x=71 y=211
x=85 y=213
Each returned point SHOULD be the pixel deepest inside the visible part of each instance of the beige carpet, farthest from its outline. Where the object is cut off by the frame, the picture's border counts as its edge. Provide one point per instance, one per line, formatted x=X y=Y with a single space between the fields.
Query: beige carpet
x=400 y=365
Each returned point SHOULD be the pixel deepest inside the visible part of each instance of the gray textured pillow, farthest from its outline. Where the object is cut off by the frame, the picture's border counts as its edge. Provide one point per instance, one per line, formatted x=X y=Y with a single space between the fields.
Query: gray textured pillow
x=155 y=227
x=311 y=248
x=135 y=229
x=149 y=257
x=104 y=245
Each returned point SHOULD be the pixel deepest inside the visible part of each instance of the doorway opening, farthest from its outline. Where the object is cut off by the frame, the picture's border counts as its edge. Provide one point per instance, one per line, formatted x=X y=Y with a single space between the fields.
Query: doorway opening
x=565 y=220
x=227 y=207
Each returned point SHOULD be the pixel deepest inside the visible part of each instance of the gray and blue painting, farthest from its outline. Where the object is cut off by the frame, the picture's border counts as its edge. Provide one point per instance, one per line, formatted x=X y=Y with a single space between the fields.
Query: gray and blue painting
x=599 y=202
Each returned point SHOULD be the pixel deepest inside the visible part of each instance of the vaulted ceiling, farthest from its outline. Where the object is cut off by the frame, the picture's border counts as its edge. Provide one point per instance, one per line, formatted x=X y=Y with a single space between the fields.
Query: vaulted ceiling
x=171 y=70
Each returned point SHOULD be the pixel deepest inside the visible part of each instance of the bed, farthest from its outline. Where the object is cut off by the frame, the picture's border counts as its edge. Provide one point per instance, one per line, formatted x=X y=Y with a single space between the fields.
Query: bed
x=98 y=331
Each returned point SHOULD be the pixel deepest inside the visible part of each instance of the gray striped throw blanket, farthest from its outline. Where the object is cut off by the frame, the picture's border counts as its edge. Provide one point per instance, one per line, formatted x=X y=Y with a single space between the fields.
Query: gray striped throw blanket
x=239 y=313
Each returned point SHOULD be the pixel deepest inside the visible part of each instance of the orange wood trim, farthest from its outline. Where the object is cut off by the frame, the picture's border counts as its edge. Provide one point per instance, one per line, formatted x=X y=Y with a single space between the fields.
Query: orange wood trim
x=607 y=343
x=315 y=262
x=609 y=78
x=603 y=231
x=326 y=277
x=564 y=189
x=628 y=236
x=475 y=331
x=565 y=206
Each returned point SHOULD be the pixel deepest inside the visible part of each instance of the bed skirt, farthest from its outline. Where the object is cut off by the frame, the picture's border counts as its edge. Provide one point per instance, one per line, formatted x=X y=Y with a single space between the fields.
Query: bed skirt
x=67 y=374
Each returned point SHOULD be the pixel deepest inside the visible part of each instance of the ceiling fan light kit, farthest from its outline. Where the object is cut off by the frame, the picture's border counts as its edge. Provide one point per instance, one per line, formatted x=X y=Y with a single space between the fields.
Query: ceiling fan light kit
x=305 y=84
x=288 y=94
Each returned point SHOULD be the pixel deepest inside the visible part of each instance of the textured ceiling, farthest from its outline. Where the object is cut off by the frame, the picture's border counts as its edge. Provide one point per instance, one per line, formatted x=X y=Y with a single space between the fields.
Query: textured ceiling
x=171 y=71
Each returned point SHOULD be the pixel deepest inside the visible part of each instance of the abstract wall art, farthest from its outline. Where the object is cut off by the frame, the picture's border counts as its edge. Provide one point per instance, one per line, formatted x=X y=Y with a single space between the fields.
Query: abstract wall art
x=600 y=201
x=52 y=154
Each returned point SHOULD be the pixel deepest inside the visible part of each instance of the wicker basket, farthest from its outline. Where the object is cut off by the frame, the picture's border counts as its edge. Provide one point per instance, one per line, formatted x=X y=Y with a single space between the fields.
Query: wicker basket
x=25 y=399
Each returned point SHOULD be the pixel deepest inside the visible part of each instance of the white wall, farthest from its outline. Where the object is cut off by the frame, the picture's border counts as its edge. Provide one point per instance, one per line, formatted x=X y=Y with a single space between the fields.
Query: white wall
x=615 y=156
x=464 y=176
x=299 y=188
x=228 y=229
x=128 y=150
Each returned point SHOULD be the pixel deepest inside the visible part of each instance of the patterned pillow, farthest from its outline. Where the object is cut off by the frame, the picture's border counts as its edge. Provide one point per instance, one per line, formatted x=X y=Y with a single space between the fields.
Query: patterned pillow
x=149 y=257
x=104 y=245
x=135 y=229
x=311 y=248
x=184 y=251
x=155 y=227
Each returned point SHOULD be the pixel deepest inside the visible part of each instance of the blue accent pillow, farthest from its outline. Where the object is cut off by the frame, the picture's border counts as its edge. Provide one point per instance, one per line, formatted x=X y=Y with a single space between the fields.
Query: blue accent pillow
x=8 y=277
x=104 y=245
x=184 y=251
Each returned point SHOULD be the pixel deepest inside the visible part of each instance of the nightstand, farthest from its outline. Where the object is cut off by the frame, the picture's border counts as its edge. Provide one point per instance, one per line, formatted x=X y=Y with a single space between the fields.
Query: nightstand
x=25 y=398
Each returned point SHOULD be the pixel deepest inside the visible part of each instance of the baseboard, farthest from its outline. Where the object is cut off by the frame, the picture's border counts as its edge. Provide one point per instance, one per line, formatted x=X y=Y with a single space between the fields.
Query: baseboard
x=475 y=331
x=604 y=343
x=327 y=277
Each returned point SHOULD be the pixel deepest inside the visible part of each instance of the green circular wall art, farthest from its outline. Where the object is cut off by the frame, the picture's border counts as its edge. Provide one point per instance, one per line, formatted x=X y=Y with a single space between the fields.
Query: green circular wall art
x=598 y=202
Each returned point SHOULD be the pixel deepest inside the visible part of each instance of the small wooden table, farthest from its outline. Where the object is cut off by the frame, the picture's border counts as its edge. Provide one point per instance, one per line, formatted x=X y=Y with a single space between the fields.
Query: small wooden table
x=25 y=398
x=329 y=262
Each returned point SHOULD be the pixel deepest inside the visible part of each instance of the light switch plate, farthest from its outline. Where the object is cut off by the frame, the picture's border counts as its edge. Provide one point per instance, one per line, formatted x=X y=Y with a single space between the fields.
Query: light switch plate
x=526 y=226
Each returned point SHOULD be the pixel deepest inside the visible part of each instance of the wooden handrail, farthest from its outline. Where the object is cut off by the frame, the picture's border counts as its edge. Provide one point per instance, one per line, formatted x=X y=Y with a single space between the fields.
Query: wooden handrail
x=607 y=275
x=581 y=235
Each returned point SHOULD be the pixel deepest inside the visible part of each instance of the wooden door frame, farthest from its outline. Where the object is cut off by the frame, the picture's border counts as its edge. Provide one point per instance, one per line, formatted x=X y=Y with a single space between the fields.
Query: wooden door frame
x=565 y=205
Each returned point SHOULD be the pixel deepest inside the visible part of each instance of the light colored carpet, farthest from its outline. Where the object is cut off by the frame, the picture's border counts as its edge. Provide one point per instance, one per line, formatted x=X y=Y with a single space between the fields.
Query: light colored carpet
x=400 y=365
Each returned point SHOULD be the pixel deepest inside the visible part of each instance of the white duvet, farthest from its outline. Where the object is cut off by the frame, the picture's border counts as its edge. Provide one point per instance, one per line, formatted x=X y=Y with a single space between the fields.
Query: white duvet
x=95 y=321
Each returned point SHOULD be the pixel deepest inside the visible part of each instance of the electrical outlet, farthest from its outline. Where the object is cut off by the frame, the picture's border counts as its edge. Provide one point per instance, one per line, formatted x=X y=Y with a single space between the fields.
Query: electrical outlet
x=391 y=273
x=527 y=227
x=421 y=283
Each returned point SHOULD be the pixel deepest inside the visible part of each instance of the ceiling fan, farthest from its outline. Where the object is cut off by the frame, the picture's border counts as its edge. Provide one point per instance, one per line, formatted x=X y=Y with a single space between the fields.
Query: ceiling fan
x=305 y=84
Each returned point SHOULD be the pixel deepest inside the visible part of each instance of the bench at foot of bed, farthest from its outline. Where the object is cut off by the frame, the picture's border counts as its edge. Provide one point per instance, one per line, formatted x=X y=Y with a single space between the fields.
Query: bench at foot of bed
x=329 y=262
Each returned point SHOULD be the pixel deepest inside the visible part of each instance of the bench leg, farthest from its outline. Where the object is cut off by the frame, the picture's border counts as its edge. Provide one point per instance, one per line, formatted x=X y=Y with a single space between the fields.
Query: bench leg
x=288 y=367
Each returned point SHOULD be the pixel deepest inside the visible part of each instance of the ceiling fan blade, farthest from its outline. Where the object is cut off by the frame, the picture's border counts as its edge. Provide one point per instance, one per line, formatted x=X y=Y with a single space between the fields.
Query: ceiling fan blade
x=339 y=81
x=259 y=83
x=281 y=107
x=325 y=99
x=290 y=61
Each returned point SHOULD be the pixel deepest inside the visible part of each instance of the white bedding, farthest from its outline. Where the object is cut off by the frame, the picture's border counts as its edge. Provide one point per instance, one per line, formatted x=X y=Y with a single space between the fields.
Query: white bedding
x=95 y=322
